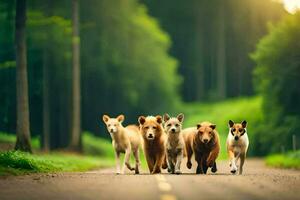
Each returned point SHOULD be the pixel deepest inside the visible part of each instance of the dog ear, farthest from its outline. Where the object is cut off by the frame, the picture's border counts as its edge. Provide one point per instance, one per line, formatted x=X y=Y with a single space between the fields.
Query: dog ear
x=198 y=126
x=244 y=124
x=158 y=119
x=213 y=126
x=142 y=120
x=120 y=118
x=180 y=117
x=166 y=117
x=230 y=123
x=105 y=118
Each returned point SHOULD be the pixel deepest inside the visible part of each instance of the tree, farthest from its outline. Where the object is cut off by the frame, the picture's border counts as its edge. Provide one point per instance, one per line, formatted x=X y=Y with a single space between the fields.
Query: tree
x=277 y=78
x=23 y=125
x=76 y=116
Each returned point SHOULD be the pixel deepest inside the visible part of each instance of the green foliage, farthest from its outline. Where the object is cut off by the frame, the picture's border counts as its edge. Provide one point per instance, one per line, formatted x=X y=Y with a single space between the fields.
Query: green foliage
x=277 y=78
x=220 y=113
x=15 y=162
x=96 y=146
x=288 y=160
x=11 y=139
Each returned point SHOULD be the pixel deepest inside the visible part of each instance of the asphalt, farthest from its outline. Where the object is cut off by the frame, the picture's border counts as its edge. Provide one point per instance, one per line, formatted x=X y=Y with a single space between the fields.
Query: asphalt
x=257 y=182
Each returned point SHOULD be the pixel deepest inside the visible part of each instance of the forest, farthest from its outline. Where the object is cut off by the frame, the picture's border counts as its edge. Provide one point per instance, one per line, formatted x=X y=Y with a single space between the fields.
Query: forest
x=84 y=59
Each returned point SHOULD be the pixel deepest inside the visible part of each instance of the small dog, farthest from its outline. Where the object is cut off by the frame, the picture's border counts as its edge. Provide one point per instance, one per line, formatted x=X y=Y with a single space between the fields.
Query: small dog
x=124 y=140
x=237 y=145
x=154 y=139
x=204 y=142
x=174 y=143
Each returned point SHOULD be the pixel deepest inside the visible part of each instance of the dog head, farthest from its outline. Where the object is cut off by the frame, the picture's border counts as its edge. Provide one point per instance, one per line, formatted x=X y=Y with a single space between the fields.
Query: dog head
x=113 y=124
x=173 y=125
x=205 y=131
x=237 y=130
x=150 y=127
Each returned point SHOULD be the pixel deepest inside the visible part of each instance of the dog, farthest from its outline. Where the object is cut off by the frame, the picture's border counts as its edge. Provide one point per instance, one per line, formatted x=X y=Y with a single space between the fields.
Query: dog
x=174 y=143
x=237 y=145
x=154 y=139
x=124 y=140
x=204 y=142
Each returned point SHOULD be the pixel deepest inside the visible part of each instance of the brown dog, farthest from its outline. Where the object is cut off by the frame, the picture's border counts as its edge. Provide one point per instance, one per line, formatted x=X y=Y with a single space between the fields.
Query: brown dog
x=154 y=139
x=204 y=142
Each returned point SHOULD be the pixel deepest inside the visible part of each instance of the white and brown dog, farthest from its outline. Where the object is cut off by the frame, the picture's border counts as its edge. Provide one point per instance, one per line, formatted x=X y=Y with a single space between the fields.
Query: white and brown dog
x=237 y=145
x=174 y=143
x=124 y=140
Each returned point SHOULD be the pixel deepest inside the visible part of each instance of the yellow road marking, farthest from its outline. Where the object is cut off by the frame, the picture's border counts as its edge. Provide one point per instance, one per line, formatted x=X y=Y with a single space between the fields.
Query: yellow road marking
x=167 y=197
x=164 y=186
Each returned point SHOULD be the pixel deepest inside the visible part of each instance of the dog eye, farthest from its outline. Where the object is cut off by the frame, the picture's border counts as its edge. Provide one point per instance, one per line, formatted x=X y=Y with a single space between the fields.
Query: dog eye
x=233 y=129
x=176 y=125
x=241 y=130
x=154 y=127
x=210 y=132
x=146 y=127
x=169 y=125
x=200 y=132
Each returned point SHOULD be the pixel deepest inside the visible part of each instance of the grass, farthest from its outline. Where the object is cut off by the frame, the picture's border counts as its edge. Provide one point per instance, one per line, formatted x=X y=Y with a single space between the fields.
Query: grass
x=236 y=109
x=6 y=138
x=18 y=163
x=288 y=160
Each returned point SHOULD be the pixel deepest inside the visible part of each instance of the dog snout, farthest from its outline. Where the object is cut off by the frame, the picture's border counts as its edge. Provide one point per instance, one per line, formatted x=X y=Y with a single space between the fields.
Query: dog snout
x=150 y=135
x=236 y=137
x=205 y=140
x=111 y=130
x=173 y=130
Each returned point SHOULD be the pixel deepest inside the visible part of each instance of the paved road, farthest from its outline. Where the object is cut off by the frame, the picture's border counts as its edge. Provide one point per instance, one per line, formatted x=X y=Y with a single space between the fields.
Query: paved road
x=258 y=182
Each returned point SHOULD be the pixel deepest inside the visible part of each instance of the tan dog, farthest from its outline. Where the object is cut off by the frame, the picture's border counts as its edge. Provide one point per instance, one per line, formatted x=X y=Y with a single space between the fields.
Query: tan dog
x=154 y=140
x=237 y=145
x=124 y=140
x=204 y=142
x=174 y=143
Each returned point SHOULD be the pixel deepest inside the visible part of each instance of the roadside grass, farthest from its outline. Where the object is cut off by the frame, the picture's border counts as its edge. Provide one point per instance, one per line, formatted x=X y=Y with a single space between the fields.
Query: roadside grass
x=288 y=160
x=18 y=163
x=236 y=109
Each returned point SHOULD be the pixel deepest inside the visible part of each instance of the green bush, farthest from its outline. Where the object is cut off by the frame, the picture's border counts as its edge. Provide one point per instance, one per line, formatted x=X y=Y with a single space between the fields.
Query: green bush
x=277 y=79
x=288 y=160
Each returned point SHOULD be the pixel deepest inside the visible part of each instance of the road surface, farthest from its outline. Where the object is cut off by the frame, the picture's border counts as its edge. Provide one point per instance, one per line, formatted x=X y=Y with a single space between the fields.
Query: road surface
x=258 y=182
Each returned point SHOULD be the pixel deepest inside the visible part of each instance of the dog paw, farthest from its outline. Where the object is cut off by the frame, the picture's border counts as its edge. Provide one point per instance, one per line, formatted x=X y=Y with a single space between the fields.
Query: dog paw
x=178 y=172
x=214 y=170
x=189 y=165
x=233 y=170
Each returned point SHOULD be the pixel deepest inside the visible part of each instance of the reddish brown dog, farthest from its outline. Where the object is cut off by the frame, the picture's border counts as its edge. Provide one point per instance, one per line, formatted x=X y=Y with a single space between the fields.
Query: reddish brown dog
x=204 y=142
x=154 y=139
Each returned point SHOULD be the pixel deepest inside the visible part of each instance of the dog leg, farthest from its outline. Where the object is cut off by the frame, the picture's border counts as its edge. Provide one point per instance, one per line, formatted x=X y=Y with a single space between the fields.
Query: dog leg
x=117 y=156
x=214 y=168
x=127 y=159
x=178 y=162
x=170 y=162
x=136 y=154
x=158 y=163
x=242 y=157
x=204 y=166
x=233 y=167
x=199 y=169
x=150 y=163
x=189 y=153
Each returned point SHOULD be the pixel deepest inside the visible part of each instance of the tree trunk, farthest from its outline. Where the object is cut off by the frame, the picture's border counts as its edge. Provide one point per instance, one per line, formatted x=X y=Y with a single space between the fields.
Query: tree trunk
x=76 y=126
x=23 y=126
x=221 y=59
x=46 y=105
